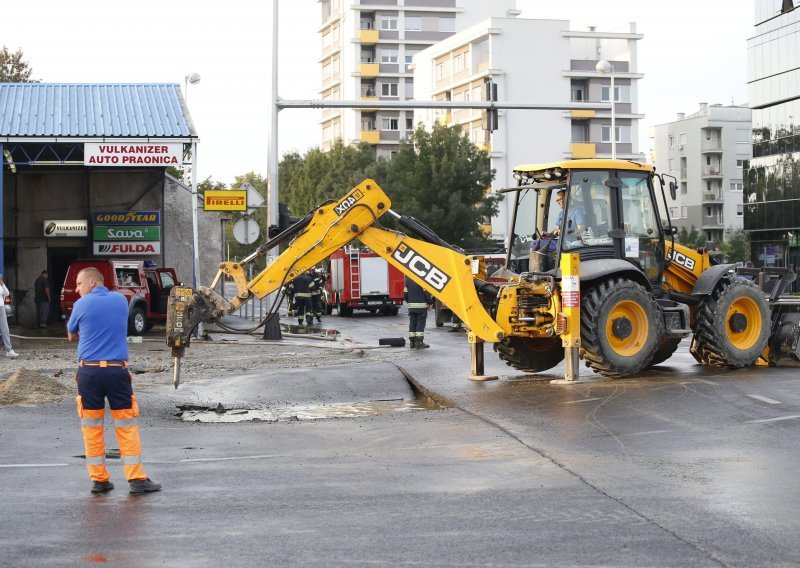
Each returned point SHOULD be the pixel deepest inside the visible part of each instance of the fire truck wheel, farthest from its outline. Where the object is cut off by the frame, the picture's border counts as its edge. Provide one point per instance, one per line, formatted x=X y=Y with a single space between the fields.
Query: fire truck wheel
x=620 y=328
x=732 y=326
x=137 y=322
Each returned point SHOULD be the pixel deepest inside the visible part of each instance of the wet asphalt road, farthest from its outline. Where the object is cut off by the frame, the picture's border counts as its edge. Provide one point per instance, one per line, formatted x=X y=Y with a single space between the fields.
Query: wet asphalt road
x=682 y=466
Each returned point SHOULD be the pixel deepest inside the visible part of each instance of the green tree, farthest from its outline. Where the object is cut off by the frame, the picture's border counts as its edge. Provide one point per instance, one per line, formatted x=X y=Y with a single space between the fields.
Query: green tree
x=693 y=238
x=736 y=247
x=440 y=178
x=13 y=69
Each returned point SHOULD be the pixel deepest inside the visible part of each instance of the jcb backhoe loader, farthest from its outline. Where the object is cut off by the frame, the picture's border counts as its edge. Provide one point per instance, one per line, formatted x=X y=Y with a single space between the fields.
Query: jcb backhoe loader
x=639 y=292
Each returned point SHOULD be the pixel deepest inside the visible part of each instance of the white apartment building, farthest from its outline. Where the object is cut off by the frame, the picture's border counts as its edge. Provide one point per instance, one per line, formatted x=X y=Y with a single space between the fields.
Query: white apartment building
x=705 y=152
x=535 y=61
x=367 y=48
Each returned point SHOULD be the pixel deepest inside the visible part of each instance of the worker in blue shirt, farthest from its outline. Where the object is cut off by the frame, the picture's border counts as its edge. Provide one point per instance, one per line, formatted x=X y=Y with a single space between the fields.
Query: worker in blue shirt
x=575 y=222
x=99 y=322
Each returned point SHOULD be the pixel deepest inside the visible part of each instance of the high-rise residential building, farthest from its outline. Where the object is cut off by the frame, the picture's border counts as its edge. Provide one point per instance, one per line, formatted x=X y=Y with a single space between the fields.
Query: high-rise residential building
x=367 y=48
x=538 y=62
x=772 y=176
x=705 y=152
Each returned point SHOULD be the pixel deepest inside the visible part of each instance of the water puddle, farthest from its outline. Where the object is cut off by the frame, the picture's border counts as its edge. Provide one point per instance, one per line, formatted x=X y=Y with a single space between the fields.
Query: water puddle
x=307 y=412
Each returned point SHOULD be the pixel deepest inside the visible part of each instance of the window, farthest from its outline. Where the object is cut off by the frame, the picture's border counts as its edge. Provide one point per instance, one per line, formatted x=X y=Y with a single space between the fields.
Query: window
x=409 y=123
x=742 y=135
x=388 y=56
x=683 y=139
x=409 y=89
x=673 y=212
x=739 y=210
x=684 y=212
x=671 y=142
x=438 y=71
x=390 y=123
x=458 y=63
x=737 y=185
x=739 y=163
x=447 y=25
x=413 y=24
x=389 y=23
x=709 y=211
x=389 y=89
x=623 y=134
x=622 y=93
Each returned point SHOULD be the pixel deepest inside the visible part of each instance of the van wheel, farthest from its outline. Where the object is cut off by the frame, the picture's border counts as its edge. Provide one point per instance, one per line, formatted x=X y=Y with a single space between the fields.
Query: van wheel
x=137 y=322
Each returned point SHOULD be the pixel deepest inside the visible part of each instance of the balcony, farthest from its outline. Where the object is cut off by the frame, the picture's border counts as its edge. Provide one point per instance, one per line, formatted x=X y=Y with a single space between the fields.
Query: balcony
x=583 y=150
x=712 y=147
x=711 y=172
x=711 y=197
x=371 y=136
x=368 y=37
x=369 y=69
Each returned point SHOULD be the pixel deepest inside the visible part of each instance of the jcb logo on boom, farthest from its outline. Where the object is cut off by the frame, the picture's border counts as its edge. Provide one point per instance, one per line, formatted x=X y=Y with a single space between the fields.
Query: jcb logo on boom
x=421 y=266
x=348 y=202
x=682 y=259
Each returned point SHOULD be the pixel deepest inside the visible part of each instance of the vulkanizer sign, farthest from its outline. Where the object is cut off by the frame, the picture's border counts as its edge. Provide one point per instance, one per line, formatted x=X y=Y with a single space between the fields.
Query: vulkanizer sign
x=127 y=155
x=126 y=218
x=127 y=247
x=61 y=228
x=126 y=233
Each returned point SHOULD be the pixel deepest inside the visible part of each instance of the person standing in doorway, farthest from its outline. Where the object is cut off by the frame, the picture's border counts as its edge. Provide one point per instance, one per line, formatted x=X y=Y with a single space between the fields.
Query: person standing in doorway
x=418 y=301
x=99 y=322
x=41 y=297
x=4 y=332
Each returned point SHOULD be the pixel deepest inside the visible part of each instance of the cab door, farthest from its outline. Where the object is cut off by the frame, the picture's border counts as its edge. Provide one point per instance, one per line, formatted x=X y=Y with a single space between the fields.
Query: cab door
x=643 y=243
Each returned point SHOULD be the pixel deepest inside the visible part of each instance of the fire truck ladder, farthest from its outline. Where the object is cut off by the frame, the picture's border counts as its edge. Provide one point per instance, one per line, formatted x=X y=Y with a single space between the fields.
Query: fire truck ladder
x=355 y=271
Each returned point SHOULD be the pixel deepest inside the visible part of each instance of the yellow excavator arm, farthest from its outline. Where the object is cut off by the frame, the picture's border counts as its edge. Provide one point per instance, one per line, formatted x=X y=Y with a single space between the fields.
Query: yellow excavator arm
x=444 y=272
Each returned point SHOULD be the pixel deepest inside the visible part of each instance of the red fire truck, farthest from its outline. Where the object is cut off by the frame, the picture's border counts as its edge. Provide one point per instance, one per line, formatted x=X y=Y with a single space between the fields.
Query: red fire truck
x=358 y=279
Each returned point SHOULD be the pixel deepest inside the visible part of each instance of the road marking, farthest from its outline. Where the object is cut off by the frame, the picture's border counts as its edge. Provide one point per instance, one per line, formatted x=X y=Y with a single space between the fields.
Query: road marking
x=582 y=400
x=229 y=459
x=34 y=465
x=764 y=399
x=774 y=419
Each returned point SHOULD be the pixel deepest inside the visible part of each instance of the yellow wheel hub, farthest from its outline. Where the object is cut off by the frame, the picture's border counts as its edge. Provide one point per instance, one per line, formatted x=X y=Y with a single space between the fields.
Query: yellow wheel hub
x=627 y=328
x=743 y=323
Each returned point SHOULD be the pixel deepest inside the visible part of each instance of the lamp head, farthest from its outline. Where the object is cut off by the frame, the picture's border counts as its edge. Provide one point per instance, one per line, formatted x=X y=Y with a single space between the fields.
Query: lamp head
x=192 y=78
x=604 y=66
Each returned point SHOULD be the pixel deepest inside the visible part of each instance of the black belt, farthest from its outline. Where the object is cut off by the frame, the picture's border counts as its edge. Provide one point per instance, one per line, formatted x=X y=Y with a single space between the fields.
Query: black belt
x=109 y=363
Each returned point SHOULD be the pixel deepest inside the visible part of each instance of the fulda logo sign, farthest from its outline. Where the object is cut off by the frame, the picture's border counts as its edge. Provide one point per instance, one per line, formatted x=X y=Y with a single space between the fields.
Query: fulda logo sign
x=421 y=266
x=682 y=259
x=348 y=202
x=130 y=247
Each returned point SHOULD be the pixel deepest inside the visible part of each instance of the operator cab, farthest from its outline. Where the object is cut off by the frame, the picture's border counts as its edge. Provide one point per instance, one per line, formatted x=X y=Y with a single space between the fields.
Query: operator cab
x=609 y=211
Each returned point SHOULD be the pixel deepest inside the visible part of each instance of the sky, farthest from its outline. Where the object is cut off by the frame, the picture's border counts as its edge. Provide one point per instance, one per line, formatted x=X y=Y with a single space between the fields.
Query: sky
x=692 y=52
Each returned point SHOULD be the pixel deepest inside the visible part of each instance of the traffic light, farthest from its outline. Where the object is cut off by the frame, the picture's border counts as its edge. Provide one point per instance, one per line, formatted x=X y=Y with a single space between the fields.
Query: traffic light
x=285 y=220
x=490 y=114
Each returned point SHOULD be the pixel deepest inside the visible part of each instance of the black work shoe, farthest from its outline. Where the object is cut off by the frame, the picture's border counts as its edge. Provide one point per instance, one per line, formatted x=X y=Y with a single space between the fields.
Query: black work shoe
x=102 y=486
x=144 y=486
x=421 y=344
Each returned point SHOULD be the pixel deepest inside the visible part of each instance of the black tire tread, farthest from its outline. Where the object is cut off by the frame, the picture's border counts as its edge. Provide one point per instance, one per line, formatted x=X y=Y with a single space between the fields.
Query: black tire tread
x=530 y=355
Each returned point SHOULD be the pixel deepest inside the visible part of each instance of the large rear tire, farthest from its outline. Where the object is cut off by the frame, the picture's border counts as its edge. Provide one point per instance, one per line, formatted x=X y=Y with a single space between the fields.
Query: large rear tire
x=666 y=347
x=620 y=328
x=732 y=325
x=530 y=355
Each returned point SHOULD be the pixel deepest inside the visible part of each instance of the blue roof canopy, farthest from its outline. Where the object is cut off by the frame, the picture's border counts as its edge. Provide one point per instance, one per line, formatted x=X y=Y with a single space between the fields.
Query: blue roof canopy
x=67 y=110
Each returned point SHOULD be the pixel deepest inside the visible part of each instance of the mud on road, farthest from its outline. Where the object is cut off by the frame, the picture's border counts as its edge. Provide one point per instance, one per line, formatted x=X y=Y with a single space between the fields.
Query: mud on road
x=53 y=361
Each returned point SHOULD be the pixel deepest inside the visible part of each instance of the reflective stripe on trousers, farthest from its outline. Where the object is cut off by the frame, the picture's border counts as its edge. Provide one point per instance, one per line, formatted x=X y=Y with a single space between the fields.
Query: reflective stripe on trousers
x=96 y=384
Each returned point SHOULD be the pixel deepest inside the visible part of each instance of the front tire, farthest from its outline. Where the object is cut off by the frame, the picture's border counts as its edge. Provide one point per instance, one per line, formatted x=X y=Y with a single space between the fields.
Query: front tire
x=620 y=328
x=530 y=355
x=732 y=326
x=137 y=323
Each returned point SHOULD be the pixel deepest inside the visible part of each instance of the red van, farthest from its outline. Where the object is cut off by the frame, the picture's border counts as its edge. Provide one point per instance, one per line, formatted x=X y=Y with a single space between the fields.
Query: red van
x=146 y=288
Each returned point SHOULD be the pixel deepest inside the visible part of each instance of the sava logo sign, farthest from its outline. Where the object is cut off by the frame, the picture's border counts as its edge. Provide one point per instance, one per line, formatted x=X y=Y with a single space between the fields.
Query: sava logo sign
x=128 y=248
x=421 y=266
x=348 y=202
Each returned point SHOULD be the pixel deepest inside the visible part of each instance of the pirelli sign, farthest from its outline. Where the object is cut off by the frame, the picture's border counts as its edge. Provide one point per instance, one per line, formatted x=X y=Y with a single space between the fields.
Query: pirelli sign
x=225 y=200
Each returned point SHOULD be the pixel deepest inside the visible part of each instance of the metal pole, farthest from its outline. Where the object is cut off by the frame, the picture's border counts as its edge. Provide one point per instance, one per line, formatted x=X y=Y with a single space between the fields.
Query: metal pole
x=195 y=239
x=613 y=118
x=272 y=155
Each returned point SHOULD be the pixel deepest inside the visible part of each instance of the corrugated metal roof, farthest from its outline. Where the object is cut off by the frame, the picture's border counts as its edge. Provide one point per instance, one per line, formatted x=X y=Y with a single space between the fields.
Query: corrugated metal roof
x=93 y=110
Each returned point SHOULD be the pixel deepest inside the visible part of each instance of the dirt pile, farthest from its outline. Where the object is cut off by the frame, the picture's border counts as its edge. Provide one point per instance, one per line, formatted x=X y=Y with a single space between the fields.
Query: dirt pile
x=29 y=387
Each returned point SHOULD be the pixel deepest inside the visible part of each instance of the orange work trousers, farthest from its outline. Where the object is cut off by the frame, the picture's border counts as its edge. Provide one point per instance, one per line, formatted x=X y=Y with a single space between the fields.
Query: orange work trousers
x=98 y=381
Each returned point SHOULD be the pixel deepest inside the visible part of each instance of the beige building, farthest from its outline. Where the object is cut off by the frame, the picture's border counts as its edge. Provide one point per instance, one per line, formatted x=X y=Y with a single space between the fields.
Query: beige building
x=367 y=50
x=536 y=62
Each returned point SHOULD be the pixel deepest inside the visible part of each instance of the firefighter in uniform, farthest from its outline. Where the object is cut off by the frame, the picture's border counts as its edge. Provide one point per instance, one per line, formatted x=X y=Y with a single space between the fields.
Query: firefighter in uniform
x=300 y=289
x=418 y=301
x=99 y=322
x=317 y=286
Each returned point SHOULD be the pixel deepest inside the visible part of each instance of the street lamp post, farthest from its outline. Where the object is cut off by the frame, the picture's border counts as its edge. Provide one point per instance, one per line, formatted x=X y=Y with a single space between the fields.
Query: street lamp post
x=193 y=79
x=604 y=66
